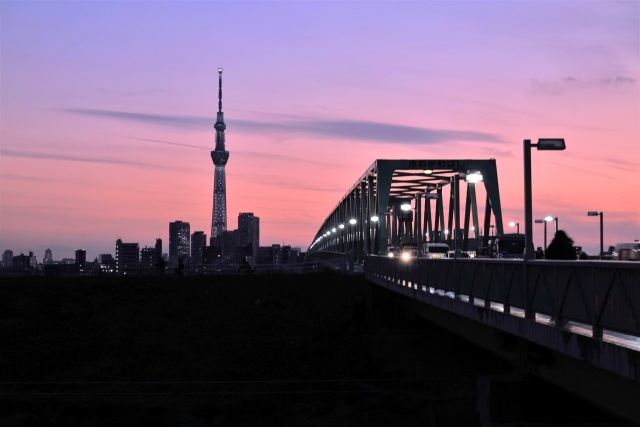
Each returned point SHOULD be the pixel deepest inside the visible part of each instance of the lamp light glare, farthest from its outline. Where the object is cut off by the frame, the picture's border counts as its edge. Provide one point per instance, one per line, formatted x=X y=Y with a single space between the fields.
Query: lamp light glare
x=473 y=177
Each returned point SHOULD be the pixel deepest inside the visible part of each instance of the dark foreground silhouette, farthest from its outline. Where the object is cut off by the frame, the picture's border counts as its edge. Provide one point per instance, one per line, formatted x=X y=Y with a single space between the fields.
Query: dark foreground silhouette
x=260 y=350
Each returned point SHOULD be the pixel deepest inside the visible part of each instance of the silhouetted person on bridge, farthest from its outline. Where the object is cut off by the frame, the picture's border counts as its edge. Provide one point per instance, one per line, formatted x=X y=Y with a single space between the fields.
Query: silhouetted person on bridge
x=561 y=247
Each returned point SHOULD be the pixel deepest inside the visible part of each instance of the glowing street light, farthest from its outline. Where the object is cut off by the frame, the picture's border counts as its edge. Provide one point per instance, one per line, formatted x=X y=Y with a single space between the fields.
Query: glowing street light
x=473 y=177
x=543 y=144
x=600 y=214
x=515 y=224
x=550 y=218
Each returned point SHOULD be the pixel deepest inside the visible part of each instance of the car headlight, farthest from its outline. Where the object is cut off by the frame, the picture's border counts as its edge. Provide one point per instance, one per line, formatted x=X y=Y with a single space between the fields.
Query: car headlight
x=390 y=254
x=406 y=256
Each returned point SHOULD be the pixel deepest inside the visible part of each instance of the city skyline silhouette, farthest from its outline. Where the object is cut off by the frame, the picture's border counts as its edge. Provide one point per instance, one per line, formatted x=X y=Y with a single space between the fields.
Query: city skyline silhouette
x=108 y=112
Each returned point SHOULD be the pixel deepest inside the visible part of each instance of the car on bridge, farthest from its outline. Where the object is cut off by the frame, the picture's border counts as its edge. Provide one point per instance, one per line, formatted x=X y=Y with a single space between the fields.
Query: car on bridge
x=433 y=250
x=461 y=254
x=392 y=251
x=409 y=253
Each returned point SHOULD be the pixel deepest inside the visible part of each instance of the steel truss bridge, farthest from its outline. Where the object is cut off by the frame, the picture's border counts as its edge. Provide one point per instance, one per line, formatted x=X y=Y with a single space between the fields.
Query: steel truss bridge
x=575 y=324
x=403 y=201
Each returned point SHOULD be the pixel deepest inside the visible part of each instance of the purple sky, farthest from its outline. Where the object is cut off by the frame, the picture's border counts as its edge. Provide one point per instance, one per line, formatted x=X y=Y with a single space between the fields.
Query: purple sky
x=107 y=111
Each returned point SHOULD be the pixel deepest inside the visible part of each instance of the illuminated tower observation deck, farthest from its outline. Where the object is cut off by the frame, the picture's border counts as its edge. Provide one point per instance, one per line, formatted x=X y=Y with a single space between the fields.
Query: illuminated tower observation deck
x=219 y=157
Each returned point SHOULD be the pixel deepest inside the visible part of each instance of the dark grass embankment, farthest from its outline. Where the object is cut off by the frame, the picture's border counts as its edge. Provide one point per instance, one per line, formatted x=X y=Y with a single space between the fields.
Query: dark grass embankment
x=287 y=350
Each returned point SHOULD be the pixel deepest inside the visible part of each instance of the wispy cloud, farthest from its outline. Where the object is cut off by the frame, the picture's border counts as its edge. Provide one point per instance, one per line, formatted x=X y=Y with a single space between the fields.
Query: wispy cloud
x=254 y=154
x=86 y=159
x=138 y=92
x=570 y=83
x=384 y=132
x=341 y=129
x=25 y=178
x=182 y=122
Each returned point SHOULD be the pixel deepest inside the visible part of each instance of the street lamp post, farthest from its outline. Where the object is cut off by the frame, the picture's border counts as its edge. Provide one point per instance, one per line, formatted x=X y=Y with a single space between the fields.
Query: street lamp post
x=550 y=218
x=515 y=224
x=601 y=230
x=542 y=221
x=543 y=144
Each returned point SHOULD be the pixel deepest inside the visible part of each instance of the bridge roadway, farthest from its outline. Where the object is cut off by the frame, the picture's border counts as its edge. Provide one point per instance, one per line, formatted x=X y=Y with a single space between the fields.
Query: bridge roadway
x=575 y=324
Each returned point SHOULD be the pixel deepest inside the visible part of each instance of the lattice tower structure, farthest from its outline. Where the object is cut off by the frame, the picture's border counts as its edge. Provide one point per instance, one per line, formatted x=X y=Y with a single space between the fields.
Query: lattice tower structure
x=220 y=157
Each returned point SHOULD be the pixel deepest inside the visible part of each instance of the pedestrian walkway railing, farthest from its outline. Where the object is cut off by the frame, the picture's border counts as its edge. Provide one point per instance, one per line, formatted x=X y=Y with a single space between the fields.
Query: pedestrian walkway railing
x=603 y=294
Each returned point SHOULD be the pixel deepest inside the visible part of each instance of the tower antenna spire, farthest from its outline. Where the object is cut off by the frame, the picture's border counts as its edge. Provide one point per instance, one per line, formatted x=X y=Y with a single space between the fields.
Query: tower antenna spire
x=220 y=90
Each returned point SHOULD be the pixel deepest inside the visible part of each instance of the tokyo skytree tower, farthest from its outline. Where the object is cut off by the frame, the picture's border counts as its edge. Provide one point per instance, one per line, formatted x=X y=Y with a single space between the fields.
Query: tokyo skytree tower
x=219 y=157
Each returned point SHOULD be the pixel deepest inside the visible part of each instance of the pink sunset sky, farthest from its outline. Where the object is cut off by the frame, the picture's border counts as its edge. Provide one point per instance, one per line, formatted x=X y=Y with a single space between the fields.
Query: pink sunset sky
x=107 y=111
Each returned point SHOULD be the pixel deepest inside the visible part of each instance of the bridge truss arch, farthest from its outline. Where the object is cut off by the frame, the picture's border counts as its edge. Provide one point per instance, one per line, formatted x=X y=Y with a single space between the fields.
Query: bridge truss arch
x=397 y=202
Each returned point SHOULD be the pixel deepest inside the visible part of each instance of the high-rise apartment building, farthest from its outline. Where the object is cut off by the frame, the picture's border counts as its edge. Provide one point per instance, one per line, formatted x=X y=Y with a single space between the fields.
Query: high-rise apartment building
x=158 y=253
x=179 y=234
x=198 y=243
x=81 y=257
x=48 y=257
x=219 y=157
x=249 y=231
x=24 y=262
x=148 y=260
x=127 y=257
x=7 y=258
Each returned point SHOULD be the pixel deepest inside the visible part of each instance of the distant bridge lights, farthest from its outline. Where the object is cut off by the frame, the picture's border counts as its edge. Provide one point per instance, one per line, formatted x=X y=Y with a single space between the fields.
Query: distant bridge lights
x=375 y=218
x=405 y=207
x=600 y=214
x=352 y=221
x=515 y=224
x=543 y=144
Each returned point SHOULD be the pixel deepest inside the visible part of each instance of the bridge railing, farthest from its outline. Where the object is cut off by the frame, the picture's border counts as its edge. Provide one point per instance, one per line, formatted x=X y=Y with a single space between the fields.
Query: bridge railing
x=603 y=294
